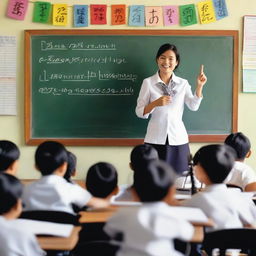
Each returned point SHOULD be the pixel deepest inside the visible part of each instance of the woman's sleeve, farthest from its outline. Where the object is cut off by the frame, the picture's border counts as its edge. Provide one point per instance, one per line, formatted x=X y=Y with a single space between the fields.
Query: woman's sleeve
x=143 y=100
x=192 y=101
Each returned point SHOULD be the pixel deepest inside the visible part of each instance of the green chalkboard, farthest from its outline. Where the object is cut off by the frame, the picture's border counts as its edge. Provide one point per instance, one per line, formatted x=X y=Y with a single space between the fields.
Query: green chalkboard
x=82 y=85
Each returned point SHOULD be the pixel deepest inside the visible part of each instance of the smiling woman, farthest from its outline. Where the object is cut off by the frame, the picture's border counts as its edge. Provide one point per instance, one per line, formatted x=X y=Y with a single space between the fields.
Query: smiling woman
x=163 y=96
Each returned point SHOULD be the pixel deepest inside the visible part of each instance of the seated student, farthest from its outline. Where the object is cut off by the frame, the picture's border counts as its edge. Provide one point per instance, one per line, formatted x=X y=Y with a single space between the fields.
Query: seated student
x=52 y=191
x=139 y=156
x=227 y=208
x=149 y=229
x=101 y=180
x=241 y=174
x=9 y=156
x=71 y=168
x=15 y=240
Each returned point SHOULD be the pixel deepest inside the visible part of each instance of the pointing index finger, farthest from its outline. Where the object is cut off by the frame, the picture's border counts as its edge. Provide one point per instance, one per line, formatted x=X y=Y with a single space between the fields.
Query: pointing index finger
x=202 y=69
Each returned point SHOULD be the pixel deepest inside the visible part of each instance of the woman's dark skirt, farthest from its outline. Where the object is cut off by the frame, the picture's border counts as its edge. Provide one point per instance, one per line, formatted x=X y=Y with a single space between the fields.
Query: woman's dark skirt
x=176 y=156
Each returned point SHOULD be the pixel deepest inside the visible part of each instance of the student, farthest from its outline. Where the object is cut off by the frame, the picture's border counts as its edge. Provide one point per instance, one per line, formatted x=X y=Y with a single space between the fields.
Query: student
x=163 y=96
x=227 y=208
x=15 y=240
x=9 y=156
x=140 y=155
x=149 y=229
x=101 y=180
x=71 y=168
x=241 y=174
x=52 y=191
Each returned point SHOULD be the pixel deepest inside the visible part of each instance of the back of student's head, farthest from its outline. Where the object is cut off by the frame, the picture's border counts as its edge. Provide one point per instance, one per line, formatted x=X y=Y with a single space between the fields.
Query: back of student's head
x=240 y=143
x=216 y=160
x=71 y=168
x=101 y=179
x=10 y=192
x=141 y=155
x=153 y=181
x=9 y=153
x=49 y=156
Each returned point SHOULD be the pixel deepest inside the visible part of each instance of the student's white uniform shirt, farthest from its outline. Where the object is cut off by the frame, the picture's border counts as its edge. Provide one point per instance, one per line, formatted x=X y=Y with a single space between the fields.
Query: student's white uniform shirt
x=16 y=241
x=241 y=175
x=166 y=120
x=228 y=208
x=54 y=193
x=148 y=230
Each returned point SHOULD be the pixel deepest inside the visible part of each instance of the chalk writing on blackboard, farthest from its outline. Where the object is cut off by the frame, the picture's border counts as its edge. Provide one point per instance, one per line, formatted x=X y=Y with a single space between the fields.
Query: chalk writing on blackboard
x=126 y=91
x=87 y=77
x=83 y=46
x=54 y=59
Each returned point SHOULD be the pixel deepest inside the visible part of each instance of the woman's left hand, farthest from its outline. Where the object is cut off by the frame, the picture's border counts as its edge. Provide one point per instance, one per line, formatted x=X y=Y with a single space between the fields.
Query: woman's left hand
x=201 y=79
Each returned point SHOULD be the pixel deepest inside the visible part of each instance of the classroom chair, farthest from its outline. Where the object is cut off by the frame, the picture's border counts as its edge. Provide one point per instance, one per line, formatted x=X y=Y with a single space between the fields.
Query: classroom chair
x=234 y=186
x=244 y=239
x=52 y=216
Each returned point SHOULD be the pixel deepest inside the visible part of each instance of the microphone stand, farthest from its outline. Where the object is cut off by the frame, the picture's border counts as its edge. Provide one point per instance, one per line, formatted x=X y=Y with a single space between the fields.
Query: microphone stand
x=191 y=173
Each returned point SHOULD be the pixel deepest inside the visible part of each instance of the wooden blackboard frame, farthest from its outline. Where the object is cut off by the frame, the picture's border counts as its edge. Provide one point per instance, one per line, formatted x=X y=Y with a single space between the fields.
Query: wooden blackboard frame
x=124 y=141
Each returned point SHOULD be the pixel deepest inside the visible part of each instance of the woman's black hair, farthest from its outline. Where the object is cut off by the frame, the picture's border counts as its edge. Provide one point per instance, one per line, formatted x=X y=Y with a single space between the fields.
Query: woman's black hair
x=10 y=192
x=153 y=182
x=216 y=160
x=240 y=143
x=49 y=156
x=166 y=47
x=9 y=153
x=71 y=168
x=101 y=179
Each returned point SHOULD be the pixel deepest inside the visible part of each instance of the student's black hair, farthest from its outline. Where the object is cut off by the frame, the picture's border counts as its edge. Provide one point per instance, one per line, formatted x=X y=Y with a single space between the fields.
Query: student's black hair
x=166 y=47
x=49 y=156
x=9 y=153
x=101 y=179
x=153 y=182
x=216 y=160
x=71 y=168
x=240 y=143
x=141 y=155
x=10 y=192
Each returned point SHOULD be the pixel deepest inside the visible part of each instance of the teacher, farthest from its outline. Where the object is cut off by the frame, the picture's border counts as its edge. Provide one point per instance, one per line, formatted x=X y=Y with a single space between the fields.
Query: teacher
x=163 y=96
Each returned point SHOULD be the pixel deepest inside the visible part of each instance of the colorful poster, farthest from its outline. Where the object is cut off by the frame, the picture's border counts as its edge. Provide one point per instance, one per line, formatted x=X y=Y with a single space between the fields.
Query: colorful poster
x=59 y=15
x=17 y=9
x=98 y=14
x=154 y=16
x=118 y=14
x=171 y=15
x=80 y=15
x=136 y=15
x=42 y=12
x=187 y=15
x=206 y=12
x=220 y=9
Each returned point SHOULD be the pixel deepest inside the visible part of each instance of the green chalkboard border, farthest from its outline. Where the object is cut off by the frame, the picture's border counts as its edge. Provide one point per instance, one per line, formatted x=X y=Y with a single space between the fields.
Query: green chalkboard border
x=124 y=141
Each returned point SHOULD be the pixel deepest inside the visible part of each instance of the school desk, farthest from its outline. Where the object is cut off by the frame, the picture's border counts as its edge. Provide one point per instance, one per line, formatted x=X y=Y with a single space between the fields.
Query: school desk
x=60 y=243
x=104 y=215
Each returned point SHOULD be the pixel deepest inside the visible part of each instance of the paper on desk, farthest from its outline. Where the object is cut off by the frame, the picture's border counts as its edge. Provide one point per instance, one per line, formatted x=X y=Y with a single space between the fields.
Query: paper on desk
x=45 y=227
x=190 y=214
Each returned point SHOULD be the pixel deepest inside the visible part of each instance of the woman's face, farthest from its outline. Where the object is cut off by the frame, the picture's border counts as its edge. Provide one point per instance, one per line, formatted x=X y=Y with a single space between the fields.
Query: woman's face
x=167 y=62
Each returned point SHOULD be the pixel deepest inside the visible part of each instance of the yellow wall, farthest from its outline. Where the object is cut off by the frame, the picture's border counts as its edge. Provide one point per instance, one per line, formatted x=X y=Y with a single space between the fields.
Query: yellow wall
x=12 y=127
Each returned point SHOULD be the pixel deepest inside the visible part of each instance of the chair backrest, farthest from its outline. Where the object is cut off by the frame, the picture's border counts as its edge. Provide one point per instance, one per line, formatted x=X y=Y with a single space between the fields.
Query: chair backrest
x=243 y=238
x=234 y=186
x=52 y=216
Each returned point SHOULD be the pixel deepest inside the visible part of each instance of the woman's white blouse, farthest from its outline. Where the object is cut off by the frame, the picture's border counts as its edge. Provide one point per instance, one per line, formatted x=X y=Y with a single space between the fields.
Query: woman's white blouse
x=166 y=120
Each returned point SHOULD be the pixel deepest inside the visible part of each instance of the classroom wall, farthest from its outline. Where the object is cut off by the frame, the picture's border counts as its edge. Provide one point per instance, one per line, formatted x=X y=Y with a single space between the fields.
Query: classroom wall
x=12 y=127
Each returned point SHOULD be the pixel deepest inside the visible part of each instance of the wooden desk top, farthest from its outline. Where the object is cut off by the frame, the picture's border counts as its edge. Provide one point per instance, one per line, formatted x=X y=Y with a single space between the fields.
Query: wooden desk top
x=59 y=243
x=104 y=215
